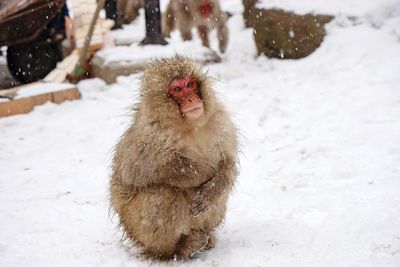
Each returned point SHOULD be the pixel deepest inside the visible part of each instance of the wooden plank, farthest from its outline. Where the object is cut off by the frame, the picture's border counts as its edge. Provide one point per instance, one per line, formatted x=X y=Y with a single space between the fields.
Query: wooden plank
x=25 y=105
x=69 y=94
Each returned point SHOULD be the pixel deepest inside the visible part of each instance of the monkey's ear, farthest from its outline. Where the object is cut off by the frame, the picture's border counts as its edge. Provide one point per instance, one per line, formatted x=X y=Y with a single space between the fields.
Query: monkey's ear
x=204 y=74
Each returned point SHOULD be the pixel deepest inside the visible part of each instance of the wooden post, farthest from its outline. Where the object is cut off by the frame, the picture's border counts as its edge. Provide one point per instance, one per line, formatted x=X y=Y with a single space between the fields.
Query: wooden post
x=110 y=6
x=153 y=23
x=80 y=68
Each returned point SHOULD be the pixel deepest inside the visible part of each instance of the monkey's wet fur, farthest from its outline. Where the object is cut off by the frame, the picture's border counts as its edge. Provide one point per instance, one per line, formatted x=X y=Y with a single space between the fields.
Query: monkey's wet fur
x=176 y=164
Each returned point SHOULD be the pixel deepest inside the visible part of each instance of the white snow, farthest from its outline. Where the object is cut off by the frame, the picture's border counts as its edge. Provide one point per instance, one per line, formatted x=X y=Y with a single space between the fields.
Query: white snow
x=348 y=7
x=320 y=161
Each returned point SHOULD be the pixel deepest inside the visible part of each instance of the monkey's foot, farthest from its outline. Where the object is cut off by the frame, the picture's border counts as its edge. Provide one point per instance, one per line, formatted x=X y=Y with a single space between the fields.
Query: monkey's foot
x=186 y=36
x=194 y=243
x=211 y=242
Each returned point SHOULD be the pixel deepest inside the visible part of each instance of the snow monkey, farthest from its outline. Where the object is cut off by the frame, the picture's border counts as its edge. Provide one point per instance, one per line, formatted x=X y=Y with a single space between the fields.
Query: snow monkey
x=203 y=14
x=175 y=166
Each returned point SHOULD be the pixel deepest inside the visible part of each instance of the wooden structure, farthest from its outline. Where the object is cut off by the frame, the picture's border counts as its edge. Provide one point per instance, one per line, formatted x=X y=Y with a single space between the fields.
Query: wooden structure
x=83 y=11
x=153 y=23
x=21 y=102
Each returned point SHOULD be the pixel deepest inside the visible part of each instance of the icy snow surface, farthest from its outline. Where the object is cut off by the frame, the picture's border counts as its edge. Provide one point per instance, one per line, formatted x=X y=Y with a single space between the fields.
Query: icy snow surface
x=320 y=161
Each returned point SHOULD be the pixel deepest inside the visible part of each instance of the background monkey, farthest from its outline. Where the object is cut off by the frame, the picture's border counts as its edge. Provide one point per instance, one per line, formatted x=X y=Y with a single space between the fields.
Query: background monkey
x=203 y=14
x=174 y=167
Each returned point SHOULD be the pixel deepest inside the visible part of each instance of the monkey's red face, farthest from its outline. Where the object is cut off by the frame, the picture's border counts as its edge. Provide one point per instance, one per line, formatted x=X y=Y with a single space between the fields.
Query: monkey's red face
x=186 y=94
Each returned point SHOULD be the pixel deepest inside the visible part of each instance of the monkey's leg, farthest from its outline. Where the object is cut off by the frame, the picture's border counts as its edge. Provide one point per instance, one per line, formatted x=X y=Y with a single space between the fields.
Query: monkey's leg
x=222 y=36
x=186 y=32
x=203 y=32
x=132 y=10
x=211 y=241
x=121 y=14
x=184 y=22
x=156 y=218
x=196 y=242
x=168 y=23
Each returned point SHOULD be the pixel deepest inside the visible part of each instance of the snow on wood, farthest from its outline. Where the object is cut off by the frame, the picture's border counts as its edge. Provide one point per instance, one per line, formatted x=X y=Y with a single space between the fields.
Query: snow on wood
x=59 y=74
x=41 y=88
x=29 y=96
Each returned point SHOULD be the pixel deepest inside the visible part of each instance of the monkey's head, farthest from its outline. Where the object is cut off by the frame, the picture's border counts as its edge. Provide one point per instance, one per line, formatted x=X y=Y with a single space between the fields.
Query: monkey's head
x=176 y=91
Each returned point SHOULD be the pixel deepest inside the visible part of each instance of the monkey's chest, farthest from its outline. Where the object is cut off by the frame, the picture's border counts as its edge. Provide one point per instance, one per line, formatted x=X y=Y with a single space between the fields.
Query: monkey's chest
x=204 y=150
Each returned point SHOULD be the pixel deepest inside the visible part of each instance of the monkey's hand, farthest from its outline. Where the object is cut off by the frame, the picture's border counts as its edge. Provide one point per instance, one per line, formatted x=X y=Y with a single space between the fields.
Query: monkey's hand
x=200 y=202
x=219 y=184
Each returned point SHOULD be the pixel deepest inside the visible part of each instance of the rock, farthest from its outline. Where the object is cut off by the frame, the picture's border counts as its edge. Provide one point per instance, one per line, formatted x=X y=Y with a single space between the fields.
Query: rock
x=110 y=63
x=286 y=35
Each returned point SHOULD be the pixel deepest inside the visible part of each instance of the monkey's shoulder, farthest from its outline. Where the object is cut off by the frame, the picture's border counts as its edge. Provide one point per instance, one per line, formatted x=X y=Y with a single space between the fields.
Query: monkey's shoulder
x=224 y=131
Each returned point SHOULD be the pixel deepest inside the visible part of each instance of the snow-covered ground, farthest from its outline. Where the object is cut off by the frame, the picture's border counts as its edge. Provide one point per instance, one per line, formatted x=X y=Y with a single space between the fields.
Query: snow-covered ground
x=320 y=161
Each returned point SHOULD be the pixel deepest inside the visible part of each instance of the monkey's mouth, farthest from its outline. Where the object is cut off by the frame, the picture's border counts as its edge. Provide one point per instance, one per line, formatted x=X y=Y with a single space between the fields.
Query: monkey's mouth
x=194 y=112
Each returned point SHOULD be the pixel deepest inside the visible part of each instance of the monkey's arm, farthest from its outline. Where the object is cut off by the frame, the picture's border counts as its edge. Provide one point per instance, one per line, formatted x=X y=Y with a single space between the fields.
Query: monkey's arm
x=183 y=172
x=221 y=183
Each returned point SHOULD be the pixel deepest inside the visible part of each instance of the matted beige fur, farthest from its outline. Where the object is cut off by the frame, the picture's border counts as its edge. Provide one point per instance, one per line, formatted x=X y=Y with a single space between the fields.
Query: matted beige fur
x=171 y=177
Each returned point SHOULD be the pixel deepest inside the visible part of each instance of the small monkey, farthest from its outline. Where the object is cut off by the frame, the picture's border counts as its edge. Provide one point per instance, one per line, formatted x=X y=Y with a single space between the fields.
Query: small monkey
x=175 y=166
x=203 y=14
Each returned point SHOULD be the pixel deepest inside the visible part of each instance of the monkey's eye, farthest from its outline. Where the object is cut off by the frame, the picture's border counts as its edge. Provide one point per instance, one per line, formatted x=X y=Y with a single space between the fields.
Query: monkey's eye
x=177 y=89
x=189 y=84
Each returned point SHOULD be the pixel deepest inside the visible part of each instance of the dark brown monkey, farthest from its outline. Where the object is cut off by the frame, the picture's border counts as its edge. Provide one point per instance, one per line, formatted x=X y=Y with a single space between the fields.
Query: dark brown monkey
x=174 y=167
x=203 y=14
